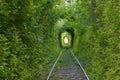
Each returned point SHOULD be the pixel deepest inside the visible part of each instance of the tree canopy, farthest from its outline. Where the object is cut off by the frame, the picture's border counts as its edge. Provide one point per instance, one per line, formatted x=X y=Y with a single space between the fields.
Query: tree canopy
x=29 y=36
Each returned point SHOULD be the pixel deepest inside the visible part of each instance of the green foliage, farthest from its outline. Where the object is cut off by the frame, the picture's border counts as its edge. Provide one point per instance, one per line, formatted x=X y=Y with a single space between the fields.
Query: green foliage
x=99 y=45
x=23 y=33
x=28 y=37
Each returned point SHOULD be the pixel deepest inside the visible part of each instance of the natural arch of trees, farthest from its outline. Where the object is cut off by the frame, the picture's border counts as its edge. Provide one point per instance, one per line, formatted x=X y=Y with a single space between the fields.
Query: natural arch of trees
x=28 y=39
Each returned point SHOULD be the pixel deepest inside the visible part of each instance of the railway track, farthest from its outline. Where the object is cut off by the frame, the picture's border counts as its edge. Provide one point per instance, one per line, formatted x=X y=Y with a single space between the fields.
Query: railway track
x=69 y=68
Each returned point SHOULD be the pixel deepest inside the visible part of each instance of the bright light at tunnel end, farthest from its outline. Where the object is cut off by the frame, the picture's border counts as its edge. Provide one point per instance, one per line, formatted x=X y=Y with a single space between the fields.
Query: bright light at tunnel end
x=66 y=40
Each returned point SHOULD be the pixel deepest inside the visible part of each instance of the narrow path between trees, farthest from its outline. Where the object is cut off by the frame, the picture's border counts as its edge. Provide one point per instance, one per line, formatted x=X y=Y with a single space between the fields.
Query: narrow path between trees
x=67 y=69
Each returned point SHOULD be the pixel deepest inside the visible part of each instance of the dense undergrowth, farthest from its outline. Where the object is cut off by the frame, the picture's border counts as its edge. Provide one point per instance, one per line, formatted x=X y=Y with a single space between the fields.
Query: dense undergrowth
x=25 y=39
x=28 y=42
x=99 y=46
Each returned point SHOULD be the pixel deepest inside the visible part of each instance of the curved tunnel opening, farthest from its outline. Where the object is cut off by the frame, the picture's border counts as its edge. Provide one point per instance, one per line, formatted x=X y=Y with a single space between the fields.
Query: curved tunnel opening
x=68 y=36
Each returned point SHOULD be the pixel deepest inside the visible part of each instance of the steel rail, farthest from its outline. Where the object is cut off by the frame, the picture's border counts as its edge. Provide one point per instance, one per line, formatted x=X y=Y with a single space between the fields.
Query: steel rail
x=80 y=65
x=54 y=66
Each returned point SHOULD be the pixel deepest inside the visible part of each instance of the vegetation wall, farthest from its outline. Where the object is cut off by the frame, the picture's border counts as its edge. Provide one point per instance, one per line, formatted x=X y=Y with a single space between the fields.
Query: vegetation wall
x=29 y=41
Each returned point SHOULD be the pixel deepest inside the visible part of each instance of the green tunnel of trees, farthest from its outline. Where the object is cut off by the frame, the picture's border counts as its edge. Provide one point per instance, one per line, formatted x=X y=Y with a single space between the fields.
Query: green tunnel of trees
x=28 y=37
